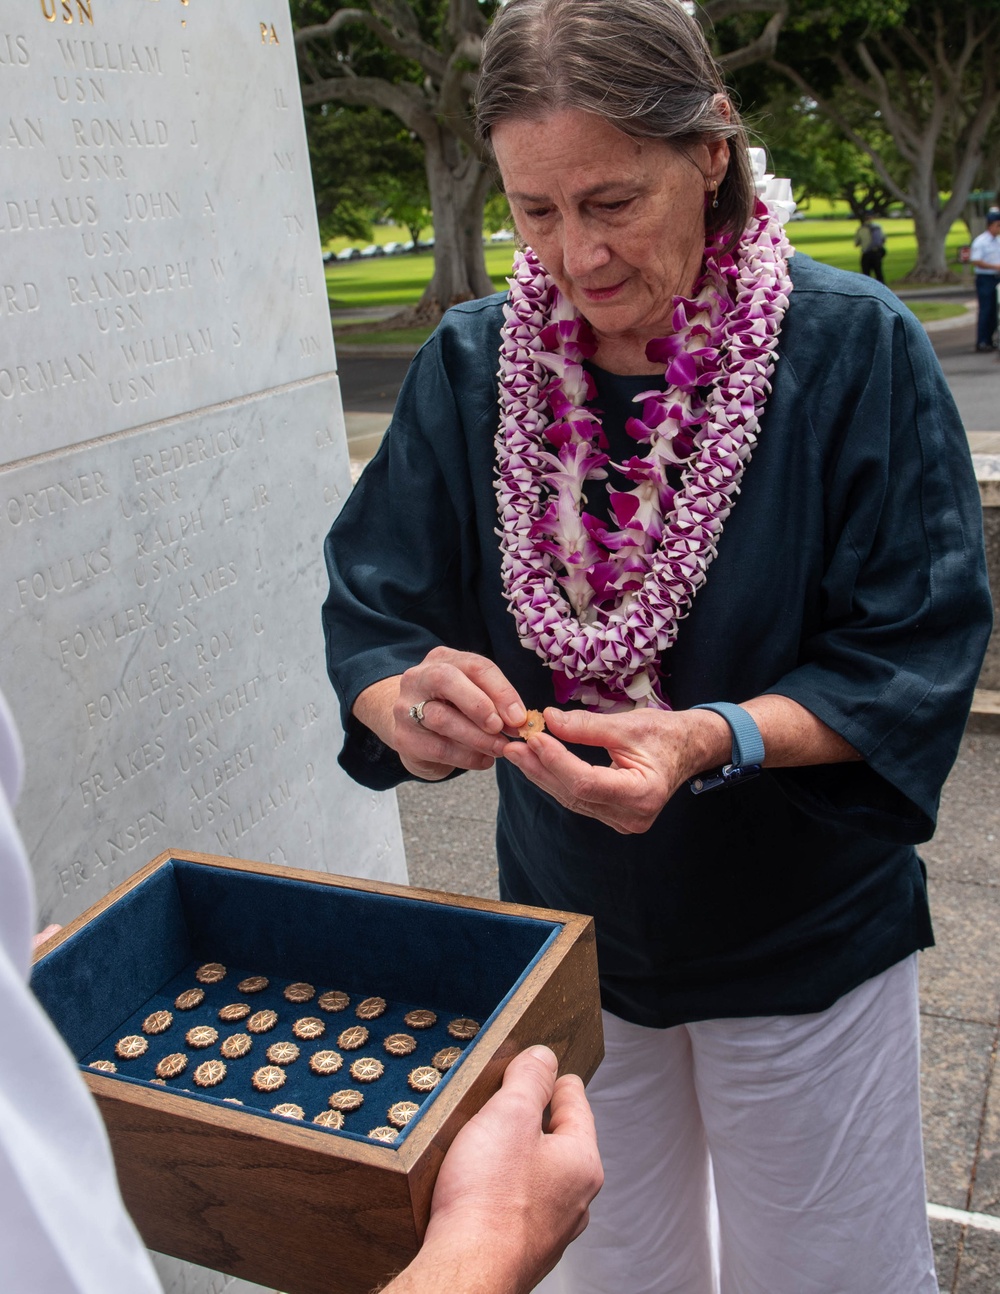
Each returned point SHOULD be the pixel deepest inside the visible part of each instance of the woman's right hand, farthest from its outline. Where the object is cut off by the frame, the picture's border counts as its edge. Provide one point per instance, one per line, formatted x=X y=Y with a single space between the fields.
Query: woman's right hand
x=467 y=706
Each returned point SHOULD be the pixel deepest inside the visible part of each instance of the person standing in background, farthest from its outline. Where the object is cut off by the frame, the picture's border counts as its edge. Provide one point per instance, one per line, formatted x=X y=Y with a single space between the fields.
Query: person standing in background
x=871 y=241
x=985 y=257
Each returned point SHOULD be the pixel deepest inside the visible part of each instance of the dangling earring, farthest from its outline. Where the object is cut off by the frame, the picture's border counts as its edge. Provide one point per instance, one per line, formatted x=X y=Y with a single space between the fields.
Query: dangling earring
x=715 y=199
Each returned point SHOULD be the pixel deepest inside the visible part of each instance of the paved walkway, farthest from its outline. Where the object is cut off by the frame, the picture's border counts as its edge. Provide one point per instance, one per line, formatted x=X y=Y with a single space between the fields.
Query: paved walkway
x=448 y=831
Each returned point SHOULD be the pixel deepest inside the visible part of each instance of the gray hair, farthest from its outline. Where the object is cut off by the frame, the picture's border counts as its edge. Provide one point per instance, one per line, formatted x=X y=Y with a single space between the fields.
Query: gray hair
x=642 y=65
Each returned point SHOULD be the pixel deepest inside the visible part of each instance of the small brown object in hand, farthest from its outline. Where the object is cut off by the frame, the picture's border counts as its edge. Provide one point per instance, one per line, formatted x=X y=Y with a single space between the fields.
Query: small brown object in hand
x=533 y=723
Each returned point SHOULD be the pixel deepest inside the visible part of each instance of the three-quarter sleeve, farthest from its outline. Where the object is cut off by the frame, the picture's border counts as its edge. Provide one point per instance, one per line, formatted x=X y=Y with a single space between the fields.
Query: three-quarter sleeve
x=904 y=614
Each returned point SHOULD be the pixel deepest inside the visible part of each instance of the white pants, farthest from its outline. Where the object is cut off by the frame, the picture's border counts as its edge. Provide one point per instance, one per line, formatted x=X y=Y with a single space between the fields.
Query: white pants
x=774 y=1155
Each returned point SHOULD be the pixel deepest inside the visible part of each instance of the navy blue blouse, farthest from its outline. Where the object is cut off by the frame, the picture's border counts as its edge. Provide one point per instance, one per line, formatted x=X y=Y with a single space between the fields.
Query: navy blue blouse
x=850 y=577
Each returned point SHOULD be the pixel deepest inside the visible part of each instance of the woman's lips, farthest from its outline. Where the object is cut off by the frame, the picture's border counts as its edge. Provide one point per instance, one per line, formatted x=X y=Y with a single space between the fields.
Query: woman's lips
x=603 y=294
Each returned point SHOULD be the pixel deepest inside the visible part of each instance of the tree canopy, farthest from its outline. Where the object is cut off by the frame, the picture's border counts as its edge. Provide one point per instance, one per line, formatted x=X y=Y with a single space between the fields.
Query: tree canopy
x=896 y=100
x=912 y=84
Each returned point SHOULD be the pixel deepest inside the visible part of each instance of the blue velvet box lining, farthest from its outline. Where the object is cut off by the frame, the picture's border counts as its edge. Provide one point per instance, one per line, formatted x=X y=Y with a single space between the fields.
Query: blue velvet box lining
x=142 y=951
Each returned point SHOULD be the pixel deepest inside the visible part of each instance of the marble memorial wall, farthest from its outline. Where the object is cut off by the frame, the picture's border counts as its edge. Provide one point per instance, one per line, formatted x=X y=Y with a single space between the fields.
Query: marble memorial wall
x=172 y=448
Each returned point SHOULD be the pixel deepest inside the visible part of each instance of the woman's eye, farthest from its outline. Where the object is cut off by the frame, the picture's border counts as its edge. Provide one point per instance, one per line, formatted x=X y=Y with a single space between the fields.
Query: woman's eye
x=538 y=212
x=614 y=206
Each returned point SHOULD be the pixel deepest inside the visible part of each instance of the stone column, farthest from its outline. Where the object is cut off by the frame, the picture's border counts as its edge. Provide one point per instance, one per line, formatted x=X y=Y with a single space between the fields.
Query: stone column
x=172 y=452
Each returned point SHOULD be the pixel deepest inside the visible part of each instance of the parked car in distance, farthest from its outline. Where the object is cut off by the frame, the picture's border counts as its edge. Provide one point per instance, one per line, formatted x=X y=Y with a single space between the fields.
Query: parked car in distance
x=392 y=249
x=348 y=254
x=373 y=249
x=502 y=236
x=408 y=246
x=328 y=257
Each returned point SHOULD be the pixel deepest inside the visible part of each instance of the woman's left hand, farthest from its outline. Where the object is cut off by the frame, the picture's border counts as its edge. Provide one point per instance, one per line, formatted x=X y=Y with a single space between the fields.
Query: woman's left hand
x=653 y=753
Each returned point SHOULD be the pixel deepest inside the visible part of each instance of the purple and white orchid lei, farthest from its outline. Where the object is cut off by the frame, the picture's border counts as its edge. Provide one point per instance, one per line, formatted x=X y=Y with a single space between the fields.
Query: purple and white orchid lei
x=601 y=605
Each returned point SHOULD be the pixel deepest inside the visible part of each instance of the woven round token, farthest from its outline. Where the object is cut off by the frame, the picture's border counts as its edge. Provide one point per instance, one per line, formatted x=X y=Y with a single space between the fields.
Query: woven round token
x=210 y=1073
x=233 y=1012
x=309 y=1027
x=300 y=992
x=346 y=1099
x=445 y=1058
x=106 y=1066
x=370 y=1009
x=400 y=1044
x=202 y=1035
x=333 y=1001
x=330 y=1119
x=353 y=1038
x=236 y=1045
x=402 y=1112
x=289 y=1109
x=158 y=1022
x=268 y=1078
x=130 y=1047
x=325 y=1062
x=366 y=1069
x=463 y=1029
x=423 y=1079
x=384 y=1133
x=210 y=973
x=171 y=1066
x=282 y=1053
x=262 y=1021
x=253 y=984
x=420 y=1019
x=189 y=999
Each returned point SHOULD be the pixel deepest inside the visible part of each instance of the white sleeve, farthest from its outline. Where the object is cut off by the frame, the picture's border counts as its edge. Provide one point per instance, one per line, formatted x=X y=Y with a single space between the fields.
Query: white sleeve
x=63 y=1226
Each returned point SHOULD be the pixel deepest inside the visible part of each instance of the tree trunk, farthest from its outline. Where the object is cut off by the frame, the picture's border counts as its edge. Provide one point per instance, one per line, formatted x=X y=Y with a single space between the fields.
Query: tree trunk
x=931 y=228
x=459 y=183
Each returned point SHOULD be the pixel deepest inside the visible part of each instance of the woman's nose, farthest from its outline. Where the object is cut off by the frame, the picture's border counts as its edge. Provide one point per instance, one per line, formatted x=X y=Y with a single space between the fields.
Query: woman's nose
x=584 y=249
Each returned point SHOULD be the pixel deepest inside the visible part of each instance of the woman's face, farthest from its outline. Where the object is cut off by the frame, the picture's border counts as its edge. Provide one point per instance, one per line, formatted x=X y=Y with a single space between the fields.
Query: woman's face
x=618 y=223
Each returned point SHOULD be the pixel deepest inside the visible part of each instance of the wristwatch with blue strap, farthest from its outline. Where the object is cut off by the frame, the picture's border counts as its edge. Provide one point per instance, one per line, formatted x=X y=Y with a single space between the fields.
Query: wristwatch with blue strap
x=748 y=749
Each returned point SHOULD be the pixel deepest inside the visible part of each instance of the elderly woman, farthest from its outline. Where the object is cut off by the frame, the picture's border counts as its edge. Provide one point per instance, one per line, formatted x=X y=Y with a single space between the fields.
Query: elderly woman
x=715 y=512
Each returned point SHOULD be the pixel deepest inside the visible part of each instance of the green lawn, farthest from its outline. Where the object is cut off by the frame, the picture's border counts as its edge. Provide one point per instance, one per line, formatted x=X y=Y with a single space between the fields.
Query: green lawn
x=399 y=280
x=832 y=241
x=928 y=311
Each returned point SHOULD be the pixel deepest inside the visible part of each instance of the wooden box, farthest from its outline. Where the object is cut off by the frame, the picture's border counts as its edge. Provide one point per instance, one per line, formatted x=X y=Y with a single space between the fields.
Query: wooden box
x=293 y=1206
